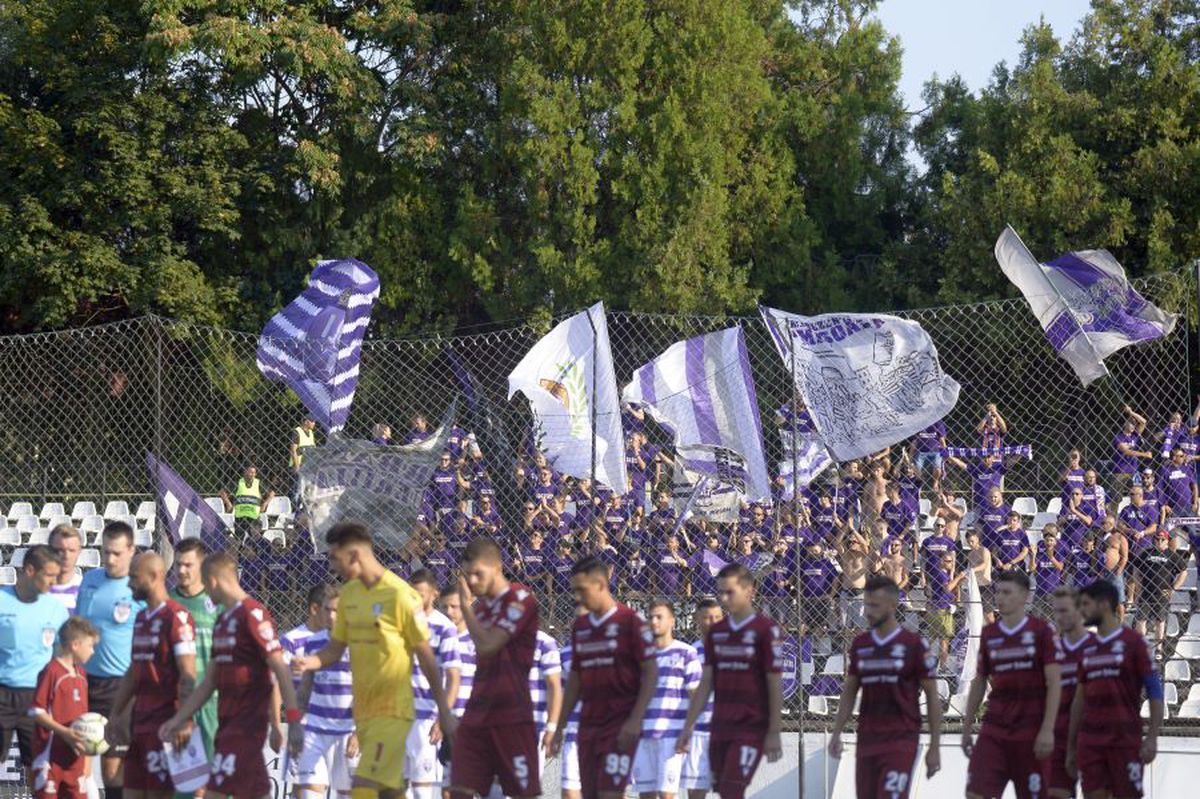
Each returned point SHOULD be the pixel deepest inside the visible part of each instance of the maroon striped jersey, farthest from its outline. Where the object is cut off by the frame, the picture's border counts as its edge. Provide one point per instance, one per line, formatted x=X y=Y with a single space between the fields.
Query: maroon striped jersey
x=740 y=656
x=159 y=636
x=501 y=689
x=243 y=639
x=607 y=654
x=1072 y=657
x=1112 y=674
x=890 y=670
x=1015 y=660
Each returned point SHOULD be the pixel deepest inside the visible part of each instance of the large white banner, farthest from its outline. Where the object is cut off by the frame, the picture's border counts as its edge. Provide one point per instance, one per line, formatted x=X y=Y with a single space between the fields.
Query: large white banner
x=869 y=380
x=556 y=376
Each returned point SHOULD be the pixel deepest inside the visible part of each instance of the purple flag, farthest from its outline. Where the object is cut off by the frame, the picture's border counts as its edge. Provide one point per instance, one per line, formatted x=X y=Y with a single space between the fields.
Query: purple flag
x=176 y=499
x=713 y=562
x=314 y=343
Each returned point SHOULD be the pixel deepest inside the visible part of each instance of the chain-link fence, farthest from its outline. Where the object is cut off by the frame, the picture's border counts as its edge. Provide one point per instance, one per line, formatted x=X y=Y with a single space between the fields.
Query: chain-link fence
x=82 y=407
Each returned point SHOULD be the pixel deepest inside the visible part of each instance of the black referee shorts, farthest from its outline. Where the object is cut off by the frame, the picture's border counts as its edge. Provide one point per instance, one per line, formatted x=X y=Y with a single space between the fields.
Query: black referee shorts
x=101 y=693
x=15 y=718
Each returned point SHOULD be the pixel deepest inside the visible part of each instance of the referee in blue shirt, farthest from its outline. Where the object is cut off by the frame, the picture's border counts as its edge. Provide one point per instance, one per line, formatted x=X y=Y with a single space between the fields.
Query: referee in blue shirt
x=29 y=622
x=106 y=600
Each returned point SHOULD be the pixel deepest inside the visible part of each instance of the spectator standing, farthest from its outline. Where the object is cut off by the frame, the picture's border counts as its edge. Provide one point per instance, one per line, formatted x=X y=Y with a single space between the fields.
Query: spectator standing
x=942 y=584
x=1011 y=550
x=304 y=435
x=992 y=428
x=247 y=505
x=979 y=560
x=1138 y=521
x=935 y=545
x=1161 y=570
x=418 y=431
x=382 y=434
x=29 y=623
x=1072 y=475
x=1049 y=561
x=1086 y=564
x=993 y=517
x=1129 y=452
x=1074 y=520
x=854 y=559
x=1178 y=480
x=929 y=452
x=818 y=582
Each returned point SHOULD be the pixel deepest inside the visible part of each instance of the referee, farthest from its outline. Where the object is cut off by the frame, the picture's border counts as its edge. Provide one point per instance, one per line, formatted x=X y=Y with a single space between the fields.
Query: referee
x=29 y=622
x=106 y=600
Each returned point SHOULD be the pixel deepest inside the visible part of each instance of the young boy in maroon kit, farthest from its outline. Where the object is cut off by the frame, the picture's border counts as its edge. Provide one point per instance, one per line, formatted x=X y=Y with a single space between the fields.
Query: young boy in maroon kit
x=60 y=698
x=742 y=654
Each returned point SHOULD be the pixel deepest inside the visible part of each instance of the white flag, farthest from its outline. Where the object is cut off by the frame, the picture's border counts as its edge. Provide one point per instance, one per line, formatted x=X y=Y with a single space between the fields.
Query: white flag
x=1084 y=303
x=702 y=390
x=556 y=376
x=974 y=628
x=869 y=380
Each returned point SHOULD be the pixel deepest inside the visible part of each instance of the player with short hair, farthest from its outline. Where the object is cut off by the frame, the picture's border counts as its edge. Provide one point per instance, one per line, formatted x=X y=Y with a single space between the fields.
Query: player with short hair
x=545 y=692
x=892 y=665
x=322 y=754
x=571 y=786
x=60 y=698
x=1020 y=656
x=189 y=592
x=1105 y=744
x=246 y=655
x=614 y=672
x=657 y=768
x=422 y=768
x=65 y=540
x=380 y=621
x=499 y=741
x=1072 y=637
x=106 y=600
x=696 y=776
x=742 y=654
x=162 y=676
x=451 y=605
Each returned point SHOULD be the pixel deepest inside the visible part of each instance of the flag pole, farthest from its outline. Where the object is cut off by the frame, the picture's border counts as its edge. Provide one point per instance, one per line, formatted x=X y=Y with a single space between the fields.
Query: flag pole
x=592 y=394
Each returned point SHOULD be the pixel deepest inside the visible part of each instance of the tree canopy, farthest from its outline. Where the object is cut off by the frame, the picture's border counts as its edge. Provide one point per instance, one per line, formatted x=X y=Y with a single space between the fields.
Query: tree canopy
x=494 y=159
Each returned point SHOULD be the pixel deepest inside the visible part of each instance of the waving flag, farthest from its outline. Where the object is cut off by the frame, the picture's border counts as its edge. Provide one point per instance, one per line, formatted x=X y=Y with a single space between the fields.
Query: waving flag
x=868 y=380
x=1084 y=303
x=176 y=500
x=314 y=343
x=967 y=654
x=567 y=373
x=702 y=390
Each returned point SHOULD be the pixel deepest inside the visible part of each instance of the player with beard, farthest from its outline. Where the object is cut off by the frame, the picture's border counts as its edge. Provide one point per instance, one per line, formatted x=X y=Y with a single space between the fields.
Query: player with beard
x=1072 y=637
x=162 y=676
x=1021 y=659
x=891 y=664
x=1105 y=745
x=697 y=776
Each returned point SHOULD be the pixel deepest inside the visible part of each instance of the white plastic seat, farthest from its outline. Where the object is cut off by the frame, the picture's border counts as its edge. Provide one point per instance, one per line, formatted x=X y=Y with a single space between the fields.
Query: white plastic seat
x=116 y=509
x=279 y=506
x=1054 y=506
x=190 y=526
x=55 y=521
x=1181 y=601
x=9 y=537
x=90 y=528
x=81 y=510
x=1123 y=504
x=1146 y=710
x=216 y=503
x=835 y=665
x=1188 y=710
x=271 y=535
x=227 y=519
x=1188 y=649
x=52 y=509
x=1177 y=671
x=143 y=539
x=1193 y=628
x=8 y=575
x=88 y=559
x=1189 y=579
x=40 y=536
x=1040 y=520
x=28 y=523
x=924 y=506
x=1171 y=693
x=818 y=705
x=145 y=512
x=806 y=672
x=1026 y=506
x=1172 y=625
x=18 y=557
x=19 y=509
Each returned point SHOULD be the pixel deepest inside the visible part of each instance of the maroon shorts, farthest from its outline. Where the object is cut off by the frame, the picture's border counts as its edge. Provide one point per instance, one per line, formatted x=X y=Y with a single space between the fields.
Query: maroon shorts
x=1117 y=769
x=603 y=766
x=1059 y=778
x=995 y=763
x=733 y=762
x=885 y=773
x=146 y=766
x=508 y=754
x=238 y=766
x=55 y=781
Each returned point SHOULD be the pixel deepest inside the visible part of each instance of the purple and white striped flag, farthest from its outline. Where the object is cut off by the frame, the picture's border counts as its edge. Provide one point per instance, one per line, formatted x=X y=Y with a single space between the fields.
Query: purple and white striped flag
x=176 y=500
x=1084 y=303
x=314 y=343
x=702 y=390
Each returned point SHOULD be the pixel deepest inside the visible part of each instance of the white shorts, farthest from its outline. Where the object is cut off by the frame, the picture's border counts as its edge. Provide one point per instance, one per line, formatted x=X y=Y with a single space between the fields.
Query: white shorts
x=323 y=761
x=656 y=766
x=570 y=767
x=421 y=763
x=696 y=774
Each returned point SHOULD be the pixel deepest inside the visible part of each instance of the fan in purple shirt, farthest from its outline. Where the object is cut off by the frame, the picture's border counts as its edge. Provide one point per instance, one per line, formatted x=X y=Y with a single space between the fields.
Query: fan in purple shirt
x=486 y=520
x=992 y=428
x=670 y=568
x=1129 y=451
x=986 y=474
x=1178 y=481
x=663 y=516
x=638 y=457
x=444 y=483
x=616 y=515
x=1171 y=433
x=1072 y=475
x=456 y=440
x=1011 y=551
x=382 y=434
x=817 y=572
x=1138 y=521
x=901 y=521
x=440 y=560
x=419 y=431
x=609 y=556
x=534 y=558
x=928 y=452
x=1086 y=562
x=991 y=517
x=1049 y=559
x=934 y=546
x=910 y=487
x=1075 y=521
x=633 y=418
x=757 y=527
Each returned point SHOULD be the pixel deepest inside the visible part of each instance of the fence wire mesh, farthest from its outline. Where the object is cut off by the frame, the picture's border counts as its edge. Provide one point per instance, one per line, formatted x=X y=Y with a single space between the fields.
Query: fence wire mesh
x=82 y=407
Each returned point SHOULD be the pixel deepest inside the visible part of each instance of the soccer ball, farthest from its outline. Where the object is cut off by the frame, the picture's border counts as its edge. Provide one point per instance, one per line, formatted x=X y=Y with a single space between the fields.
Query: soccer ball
x=90 y=727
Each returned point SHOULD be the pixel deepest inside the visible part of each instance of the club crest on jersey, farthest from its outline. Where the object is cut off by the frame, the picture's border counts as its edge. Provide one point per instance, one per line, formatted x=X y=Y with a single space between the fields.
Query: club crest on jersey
x=47 y=637
x=209 y=605
x=898 y=651
x=155 y=626
x=1118 y=647
x=1027 y=637
x=515 y=611
x=121 y=612
x=610 y=631
x=377 y=609
x=749 y=637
